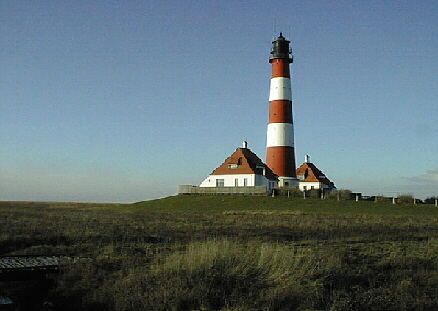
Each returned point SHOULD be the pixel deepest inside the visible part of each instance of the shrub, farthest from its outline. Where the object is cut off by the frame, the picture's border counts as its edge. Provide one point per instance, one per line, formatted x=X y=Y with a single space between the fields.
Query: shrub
x=342 y=194
x=313 y=193
x=430 y=200
x=382 y=198
x=345 y=194
x=294 y=192
x=405 y=198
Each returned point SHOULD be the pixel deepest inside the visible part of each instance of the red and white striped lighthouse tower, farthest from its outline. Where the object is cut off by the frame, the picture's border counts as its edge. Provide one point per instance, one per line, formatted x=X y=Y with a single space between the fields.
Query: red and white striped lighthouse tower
x=280 y=152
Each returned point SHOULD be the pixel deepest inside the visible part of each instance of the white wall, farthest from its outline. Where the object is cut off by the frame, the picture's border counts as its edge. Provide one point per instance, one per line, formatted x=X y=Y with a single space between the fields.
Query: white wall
x=253 y=180
x=263 y=181
x=310 y=184
x=280 y=89
x=280 y=134
x=292 y=182
x=210 y=181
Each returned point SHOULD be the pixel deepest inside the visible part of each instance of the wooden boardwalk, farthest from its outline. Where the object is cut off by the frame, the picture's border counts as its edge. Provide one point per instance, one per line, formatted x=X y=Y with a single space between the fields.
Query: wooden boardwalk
x=32 y=267
x=14 y=263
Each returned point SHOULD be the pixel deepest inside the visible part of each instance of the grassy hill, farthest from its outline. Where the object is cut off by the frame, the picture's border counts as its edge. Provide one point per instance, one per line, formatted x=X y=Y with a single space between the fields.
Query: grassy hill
x=262 y=203
x=232 y=253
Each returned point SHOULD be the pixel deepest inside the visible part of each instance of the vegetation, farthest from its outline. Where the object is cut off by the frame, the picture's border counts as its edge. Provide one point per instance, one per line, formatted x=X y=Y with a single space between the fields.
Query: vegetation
x=232 y=253
x=405 y=198
x=431 y=200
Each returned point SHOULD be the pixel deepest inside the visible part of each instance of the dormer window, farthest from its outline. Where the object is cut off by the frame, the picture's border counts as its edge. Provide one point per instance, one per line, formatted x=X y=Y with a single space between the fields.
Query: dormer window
x=233 y=165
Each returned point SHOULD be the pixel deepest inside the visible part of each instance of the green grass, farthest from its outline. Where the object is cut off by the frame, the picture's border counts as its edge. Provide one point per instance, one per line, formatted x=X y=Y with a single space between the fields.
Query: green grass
x=233 y=253
x=254 y=203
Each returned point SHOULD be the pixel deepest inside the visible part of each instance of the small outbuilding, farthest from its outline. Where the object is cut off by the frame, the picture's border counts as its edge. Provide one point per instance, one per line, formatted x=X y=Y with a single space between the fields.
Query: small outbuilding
x=310 y=177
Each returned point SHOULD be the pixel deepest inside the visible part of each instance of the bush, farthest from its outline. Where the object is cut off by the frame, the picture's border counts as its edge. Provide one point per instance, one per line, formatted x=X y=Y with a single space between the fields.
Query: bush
x=342 y=194
x=405 y=198
x=381 y=198
x=430 y=200
x=294 y=192
x=313 y=193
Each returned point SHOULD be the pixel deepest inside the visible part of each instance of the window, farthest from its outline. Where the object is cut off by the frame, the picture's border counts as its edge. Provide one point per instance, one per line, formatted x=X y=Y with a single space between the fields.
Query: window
x=233 y=165
x=304 y=188
x=245 y=182
x=286 y=183
x=236 y=182
x=312 y=187
x=219 y=182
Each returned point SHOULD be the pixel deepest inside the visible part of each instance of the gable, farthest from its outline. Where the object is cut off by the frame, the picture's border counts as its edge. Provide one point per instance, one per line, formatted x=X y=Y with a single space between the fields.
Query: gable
x=244 y=161
x=308 y=172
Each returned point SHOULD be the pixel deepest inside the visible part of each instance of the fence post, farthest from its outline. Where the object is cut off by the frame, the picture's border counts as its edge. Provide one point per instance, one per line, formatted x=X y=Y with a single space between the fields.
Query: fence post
x=338 y=196
x=288 y=193
x=436 y=202
x=304 y=194
x=393 y=200
x=415 y=201
x=322 y=194
x=357 y=198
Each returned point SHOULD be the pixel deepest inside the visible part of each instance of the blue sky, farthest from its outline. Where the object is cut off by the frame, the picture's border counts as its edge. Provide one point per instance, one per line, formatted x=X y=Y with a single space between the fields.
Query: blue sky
x=124 y=100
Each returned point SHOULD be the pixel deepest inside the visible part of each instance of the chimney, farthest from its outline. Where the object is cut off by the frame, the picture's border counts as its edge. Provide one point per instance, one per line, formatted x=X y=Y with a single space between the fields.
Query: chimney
x=245 y=144
x=306 y=158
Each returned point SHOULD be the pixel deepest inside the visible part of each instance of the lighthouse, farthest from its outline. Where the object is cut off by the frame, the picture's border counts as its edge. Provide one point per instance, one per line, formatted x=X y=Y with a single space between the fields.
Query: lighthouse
x=280 y=152
x=243 y=172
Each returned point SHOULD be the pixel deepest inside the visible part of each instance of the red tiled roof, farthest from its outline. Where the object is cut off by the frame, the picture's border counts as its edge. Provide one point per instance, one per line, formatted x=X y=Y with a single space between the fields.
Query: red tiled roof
x=312 y=174
x=247 y=163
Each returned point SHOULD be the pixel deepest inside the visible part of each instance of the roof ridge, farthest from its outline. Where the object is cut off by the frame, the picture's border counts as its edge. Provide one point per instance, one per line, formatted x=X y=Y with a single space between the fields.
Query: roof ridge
x=249 y=164
x=313 y=173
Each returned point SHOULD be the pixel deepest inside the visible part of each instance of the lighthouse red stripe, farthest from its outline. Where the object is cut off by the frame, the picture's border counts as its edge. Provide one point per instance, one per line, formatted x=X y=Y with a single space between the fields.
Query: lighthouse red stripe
x=281 y=160
x=280 y=68
x=280 y=111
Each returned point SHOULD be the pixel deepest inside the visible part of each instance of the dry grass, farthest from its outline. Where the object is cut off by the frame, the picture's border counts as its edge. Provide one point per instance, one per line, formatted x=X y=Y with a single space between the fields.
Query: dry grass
x=228 y=253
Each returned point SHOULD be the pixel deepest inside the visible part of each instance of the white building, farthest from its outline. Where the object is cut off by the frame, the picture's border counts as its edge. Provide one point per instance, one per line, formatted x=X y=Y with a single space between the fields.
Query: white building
x=310 y=177
x=242 y=169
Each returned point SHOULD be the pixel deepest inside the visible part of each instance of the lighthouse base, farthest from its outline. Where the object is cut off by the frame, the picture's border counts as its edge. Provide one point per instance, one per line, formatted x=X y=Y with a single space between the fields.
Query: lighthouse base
x=288 y=181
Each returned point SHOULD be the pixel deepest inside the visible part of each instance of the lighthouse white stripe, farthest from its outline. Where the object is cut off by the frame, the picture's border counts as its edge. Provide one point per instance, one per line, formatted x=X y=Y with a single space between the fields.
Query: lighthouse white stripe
x=280 y=134
x=280 y=89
